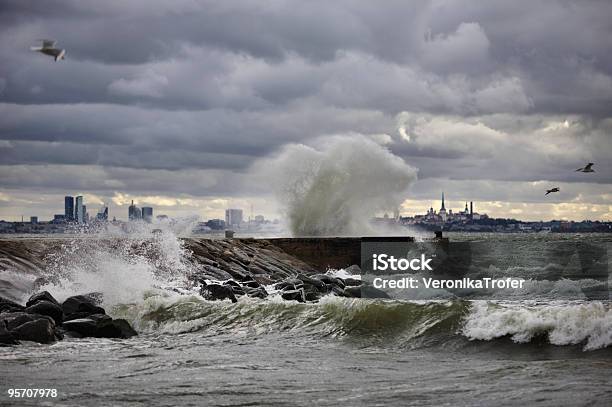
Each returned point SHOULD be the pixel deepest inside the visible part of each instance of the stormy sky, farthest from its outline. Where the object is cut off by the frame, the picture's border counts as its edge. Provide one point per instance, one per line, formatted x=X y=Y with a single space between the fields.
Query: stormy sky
x=173 y=103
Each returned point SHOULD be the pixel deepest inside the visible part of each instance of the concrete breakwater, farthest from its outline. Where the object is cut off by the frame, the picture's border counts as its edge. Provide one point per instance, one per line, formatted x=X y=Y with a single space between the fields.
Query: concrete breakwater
x=220 y=258
x=246 y=265
x=220 y=269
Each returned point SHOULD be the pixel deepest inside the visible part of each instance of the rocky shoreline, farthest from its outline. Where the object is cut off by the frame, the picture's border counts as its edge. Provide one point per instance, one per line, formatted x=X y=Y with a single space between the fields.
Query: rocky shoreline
x=44 y=320
x=223 y=269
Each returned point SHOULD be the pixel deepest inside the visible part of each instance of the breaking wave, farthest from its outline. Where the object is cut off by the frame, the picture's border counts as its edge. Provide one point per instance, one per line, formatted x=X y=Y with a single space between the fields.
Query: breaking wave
x=380 y=323
x=144 y=279
x=334 y=190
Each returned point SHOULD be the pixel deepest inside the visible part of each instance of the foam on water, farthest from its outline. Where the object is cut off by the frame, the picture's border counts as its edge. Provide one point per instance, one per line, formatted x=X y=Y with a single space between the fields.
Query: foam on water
x=563 y=324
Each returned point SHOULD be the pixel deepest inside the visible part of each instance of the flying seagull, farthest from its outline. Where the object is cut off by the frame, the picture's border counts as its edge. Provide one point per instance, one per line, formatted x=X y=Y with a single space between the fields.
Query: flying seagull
x=586 y=168
x=555 y=189
x=48 y=48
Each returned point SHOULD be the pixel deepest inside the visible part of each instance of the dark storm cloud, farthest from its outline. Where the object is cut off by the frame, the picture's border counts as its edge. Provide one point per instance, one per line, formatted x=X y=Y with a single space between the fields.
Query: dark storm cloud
x=513 y=91
x=557 y=51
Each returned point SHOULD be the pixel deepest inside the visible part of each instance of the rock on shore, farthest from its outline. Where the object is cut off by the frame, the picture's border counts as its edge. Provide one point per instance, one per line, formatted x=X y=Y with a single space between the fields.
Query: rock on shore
x=299 y=287
x=44 y=320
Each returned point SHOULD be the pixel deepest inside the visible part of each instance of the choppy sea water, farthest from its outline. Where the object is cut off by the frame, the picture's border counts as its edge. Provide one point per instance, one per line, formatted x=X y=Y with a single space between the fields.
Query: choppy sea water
x=339 y=351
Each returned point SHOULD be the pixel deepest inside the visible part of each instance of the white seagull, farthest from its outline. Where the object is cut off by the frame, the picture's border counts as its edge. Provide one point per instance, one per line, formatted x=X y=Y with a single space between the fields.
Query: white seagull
x=586 y=168
x=48 y=48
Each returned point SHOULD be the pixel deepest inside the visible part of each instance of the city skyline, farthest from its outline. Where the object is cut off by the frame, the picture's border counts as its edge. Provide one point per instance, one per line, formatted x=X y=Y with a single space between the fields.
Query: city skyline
x=451 y=207
x=184 y=114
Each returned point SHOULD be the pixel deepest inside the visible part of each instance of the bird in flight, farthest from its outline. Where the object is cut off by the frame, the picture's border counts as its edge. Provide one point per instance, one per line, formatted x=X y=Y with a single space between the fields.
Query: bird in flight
x=48 y=48
x=586 y=168
x=555 y=189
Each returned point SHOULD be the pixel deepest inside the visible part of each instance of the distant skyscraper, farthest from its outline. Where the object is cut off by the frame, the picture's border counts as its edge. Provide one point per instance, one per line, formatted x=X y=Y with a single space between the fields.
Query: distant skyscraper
x=134 y=213
x=233 y=217
x=68 y=208
x=79 y=214
x=85 y=214
x=102 y=213
x=33 y=220
x=147 y=213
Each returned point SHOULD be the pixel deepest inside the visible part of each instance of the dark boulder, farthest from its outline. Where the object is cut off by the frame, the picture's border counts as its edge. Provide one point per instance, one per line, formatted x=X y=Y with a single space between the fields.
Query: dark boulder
x=214 y=292
x=256 y=292
x=82 y=326
x=337 y=290
x=80 y=306
x=41 y=330
x=44 y=307
x=351 y=282
x=367 y=291
x=9 y=306
x=41 y=296
x=6 y=338
x=251 y=283
x=352 y=292
x=116 y=328
x=329 y=280
x=289 y=284
x=99 y=326
x=294 y=295
x=239 y=291
x=312 y=295
x=13 y=319
x=320 y=285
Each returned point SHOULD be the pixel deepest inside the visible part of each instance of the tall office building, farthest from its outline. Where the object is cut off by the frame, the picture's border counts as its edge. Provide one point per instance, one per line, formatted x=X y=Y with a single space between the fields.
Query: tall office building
x=147 y=213
x=102 y=213
x=134 y=213
x=68 y=208
x=233 y=217
x=79 y=213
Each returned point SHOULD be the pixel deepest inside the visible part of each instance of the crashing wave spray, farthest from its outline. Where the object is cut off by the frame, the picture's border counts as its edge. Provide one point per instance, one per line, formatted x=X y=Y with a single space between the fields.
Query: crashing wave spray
x=336 y=189
x=122 y=266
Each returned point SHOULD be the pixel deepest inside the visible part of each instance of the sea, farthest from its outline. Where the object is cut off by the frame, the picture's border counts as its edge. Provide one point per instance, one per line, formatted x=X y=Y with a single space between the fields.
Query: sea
x=530 y=351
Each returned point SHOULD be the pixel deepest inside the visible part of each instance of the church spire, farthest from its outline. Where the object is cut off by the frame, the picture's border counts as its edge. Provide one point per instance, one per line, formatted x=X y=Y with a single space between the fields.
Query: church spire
x=442 y=208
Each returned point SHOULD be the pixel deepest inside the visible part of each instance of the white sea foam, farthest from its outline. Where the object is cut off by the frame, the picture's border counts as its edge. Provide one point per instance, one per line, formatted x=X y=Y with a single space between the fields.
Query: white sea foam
x=122 y=266
x=565 y=324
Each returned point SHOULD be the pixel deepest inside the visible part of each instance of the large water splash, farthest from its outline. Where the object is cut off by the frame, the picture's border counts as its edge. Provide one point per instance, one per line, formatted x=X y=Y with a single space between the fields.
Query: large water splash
x=122 y=265
x=335 y=189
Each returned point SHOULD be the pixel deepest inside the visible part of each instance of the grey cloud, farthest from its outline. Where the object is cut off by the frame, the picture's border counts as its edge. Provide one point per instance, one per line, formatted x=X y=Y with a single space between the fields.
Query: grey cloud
x=182 y=97
x=542 y=56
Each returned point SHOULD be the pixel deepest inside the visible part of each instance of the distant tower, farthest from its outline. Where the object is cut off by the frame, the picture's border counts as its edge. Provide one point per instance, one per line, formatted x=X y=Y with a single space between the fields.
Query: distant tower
x=471 y=209
x=134 y=213
x=442 y=211
x=69 y=208
x=147 y=213
x=233 y=217
x=79 y=214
